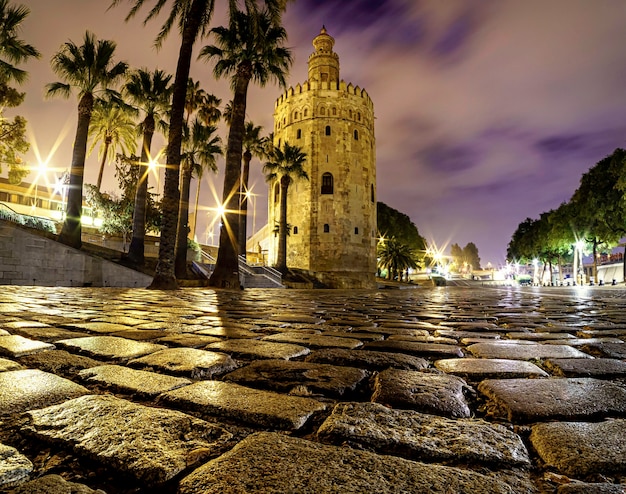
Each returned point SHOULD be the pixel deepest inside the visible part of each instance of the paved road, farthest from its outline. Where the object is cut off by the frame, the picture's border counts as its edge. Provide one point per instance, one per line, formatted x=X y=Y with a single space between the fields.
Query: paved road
x=427 y=390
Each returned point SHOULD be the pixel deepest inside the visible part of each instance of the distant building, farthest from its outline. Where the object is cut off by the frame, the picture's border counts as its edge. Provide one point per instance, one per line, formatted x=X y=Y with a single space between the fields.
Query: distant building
x=333 y=214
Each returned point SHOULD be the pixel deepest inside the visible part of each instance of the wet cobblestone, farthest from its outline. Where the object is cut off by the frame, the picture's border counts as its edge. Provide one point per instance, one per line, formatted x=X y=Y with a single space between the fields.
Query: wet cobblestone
x=428 y=390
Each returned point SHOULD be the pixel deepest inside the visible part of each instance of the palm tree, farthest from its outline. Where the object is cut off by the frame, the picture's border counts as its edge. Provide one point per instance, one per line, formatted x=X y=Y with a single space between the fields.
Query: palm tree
x=210 y=114
x=250 y=48
x=194 y=99
x=112 y=126
x=89 y=68
x=200 y=148
x=193 y=18
x=253 y=145
x=13 y=50
x=286 y=165
x=150 y=93
x=395 y=257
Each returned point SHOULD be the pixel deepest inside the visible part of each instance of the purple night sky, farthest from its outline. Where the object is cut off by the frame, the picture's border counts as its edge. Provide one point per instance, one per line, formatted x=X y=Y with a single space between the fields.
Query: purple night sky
x=487 y=111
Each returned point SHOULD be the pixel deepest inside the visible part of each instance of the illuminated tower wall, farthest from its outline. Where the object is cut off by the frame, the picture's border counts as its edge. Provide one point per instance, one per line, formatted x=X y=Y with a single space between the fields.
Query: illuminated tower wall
x=333 y=214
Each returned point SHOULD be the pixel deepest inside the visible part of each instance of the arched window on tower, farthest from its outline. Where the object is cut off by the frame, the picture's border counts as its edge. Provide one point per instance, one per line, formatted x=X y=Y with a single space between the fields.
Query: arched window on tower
x=306 y=112
x=326 y=228
x=372 y=192
x=328 y=130
x=322 y=111
x=328 y=186
x=295 y=230
x=276 y=192
x=358 y=116
x=299 y=133
x=334 y=111
x=350 y=113
x=356 y=135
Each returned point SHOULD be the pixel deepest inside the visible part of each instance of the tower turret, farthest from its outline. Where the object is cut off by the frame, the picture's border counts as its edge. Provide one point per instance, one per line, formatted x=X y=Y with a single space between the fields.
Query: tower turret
x=324 y=62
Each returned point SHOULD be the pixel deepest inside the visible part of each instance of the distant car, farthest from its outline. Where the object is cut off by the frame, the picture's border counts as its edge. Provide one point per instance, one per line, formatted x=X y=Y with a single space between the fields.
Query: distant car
x=524 y=280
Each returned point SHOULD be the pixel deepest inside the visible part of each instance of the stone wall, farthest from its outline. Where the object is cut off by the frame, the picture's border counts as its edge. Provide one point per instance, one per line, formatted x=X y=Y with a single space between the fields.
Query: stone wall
x=28 y=258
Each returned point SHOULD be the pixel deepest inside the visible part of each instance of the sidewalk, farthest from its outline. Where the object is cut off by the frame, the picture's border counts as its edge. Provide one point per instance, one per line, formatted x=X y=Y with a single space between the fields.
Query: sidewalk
x=435 y=390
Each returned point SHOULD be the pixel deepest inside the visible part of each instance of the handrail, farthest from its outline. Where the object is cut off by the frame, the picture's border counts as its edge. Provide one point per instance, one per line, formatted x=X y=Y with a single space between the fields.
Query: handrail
x=208 y=257
x=266 y=271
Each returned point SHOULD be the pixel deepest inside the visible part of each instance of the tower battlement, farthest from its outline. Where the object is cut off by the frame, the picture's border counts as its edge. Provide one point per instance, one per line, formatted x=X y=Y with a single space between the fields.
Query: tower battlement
x=340 y=86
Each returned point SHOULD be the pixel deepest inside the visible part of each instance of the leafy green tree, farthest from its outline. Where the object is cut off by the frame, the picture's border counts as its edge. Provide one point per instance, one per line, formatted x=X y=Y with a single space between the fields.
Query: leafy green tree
x=395 y=257
x=90 y=69
x=470 y=255
x=285 y=165
x=249 y=49
x=117 y=212
x=13 y=52
x=393 y=223
x=200 y=148
x=113 y=126
x=253 y=145
x=150 y=94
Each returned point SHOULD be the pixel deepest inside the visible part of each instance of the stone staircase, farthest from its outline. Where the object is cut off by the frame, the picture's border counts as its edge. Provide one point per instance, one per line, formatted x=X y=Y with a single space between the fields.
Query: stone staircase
x=249 y=276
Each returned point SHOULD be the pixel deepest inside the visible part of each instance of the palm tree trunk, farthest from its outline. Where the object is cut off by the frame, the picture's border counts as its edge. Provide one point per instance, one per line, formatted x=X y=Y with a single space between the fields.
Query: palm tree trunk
x=180 y=263
x=71 y=231
x=281 y=258
x=195 y=221
x=107 y=143
x=226 y=273
x=136 y=250
x=164 y=277
x=243 y=209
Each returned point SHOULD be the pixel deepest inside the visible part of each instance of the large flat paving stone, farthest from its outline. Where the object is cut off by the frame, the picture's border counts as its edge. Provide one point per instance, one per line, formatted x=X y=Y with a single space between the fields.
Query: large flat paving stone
x=367 y=359
x=59 y=362
x=588 y=488
x=14 y=467
x=192 y=362
x=125 y=380
x=578 y=449
x=9 y=365
x=110 y=347
x=477 y=369
x=437 y=394
x=189 y=340
x=418 y=436
x=54 y=484
x=604 y=368
x=435 y=350
x=98 y=327
x=314 y=340
x=259 y=349
x=22 y=390
x=18 y=346
x=299 y=377
x=150 y=444
x=534 y=400
x=515 y=351
x=604 y=349
x=273 y=463
x=239 y=403
x=48 y=334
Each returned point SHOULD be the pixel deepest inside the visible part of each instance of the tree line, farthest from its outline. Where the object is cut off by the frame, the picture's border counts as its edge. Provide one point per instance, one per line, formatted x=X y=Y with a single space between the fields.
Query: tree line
x=594 y=219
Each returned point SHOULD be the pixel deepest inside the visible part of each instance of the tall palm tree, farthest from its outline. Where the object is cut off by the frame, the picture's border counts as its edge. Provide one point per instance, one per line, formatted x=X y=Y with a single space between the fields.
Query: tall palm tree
x=90 y=69
x=192 y=18
x=13 y=50
x=286 y=165
x=194 y=99
x=200 y=148
x=253 y=145
x=210 y=114
x=149 y=92
x=249 y=49
x=112 y=125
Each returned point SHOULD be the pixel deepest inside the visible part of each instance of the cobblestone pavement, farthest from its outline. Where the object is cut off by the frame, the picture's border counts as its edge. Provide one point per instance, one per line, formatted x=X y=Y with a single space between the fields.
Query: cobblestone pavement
x=428 y=390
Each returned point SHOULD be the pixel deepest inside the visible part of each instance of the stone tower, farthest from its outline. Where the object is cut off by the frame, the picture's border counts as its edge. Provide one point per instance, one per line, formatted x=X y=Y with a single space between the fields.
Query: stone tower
x=333 y=214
